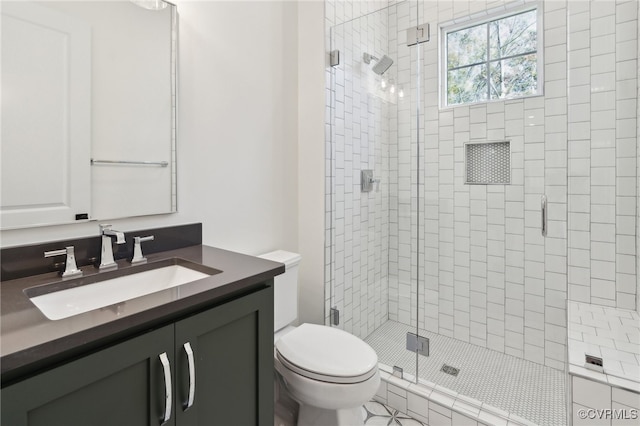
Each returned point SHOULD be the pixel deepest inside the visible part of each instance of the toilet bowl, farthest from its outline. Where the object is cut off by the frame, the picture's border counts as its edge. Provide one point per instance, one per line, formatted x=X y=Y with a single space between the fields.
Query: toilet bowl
x=329 y=372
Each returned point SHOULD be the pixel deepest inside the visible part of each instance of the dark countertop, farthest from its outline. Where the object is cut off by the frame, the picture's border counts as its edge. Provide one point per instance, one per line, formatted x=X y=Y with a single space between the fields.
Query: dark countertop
x=30 y=342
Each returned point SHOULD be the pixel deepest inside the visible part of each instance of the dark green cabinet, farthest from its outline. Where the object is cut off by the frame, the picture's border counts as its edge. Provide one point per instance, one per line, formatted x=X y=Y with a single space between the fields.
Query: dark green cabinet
x=233 y=351
x=230 y=376
x=120 y=385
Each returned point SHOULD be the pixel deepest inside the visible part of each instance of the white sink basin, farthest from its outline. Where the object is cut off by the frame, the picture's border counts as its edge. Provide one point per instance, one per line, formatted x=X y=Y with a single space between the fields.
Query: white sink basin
x=76 y=300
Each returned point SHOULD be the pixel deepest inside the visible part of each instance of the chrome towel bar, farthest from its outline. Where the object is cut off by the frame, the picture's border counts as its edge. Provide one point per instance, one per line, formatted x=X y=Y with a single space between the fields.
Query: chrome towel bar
x=130 y=163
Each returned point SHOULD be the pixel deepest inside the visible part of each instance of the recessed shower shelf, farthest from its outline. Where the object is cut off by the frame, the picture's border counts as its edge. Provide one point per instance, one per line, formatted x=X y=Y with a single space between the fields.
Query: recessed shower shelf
x=487 y=163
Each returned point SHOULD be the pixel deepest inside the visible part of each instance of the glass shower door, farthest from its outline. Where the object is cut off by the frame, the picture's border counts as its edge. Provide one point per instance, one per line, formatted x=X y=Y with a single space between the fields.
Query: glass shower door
x=494 y=284
x=373 y=204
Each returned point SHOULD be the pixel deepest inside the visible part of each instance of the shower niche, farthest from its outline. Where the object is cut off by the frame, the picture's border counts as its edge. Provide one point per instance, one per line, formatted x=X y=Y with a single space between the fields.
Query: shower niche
x=487 y=163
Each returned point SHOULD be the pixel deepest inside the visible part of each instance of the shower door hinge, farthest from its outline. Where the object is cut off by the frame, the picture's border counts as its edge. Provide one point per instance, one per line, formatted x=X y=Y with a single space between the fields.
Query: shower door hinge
x=398 y=372
x=334 y=316
x=417 y=344
x=418 y=34
x=334 y=58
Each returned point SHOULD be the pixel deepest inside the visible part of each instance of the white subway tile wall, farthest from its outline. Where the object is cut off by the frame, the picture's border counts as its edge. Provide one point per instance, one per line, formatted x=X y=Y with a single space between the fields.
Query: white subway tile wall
x=357 y=240
x=603 y=153
x=626 y=70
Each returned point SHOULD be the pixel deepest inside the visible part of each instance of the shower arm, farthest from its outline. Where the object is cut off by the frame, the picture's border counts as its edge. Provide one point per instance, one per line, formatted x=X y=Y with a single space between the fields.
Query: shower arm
x=367 y=58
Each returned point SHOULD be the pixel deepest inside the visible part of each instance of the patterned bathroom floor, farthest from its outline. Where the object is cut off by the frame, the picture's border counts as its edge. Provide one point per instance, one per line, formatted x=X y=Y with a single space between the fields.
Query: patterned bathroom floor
x=376 y=414
x=512 y=384
x=373 y=414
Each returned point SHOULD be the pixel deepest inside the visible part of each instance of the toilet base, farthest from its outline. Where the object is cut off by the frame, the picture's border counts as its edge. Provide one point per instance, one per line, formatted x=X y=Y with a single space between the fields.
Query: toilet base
x=314 y=416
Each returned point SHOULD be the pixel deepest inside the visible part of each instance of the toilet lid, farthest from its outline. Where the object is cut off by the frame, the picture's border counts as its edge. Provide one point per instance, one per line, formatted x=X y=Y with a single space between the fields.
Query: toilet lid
x=325 y=353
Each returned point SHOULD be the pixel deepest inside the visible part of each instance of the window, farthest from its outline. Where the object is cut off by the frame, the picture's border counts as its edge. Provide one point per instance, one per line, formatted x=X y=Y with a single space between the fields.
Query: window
x=496 y=59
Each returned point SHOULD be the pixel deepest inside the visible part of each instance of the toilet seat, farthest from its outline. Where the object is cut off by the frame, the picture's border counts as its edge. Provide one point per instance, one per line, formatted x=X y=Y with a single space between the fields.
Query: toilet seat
x=327 y=354
x=323 y=377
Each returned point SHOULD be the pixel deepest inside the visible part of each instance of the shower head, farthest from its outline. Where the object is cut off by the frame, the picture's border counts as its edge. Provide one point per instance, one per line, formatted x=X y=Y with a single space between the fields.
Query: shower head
x=381 y=66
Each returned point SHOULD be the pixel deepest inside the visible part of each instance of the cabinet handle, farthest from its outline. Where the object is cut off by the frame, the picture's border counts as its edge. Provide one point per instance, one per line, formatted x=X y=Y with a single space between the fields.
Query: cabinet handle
x=167 y=386
x=192 y=375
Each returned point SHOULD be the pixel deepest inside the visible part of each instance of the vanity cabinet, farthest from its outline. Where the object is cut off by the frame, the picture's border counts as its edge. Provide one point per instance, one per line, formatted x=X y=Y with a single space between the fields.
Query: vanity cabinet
x=231 y=351
x=120 y=385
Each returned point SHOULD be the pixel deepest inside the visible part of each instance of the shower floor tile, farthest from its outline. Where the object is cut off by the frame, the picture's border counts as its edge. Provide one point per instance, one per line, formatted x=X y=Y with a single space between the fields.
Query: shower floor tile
x=527 y=389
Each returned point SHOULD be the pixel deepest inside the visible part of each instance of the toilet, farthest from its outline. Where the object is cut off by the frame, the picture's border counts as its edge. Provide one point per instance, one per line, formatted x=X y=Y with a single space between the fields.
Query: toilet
x=329 y=372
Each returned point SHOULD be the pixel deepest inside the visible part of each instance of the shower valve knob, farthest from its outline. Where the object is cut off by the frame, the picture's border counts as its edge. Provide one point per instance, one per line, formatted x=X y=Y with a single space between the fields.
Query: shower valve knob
x=377 y=182
x=367 y=181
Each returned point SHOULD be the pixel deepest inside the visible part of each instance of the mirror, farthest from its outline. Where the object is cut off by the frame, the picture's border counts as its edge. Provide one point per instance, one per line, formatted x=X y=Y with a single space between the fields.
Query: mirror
x=88 y=111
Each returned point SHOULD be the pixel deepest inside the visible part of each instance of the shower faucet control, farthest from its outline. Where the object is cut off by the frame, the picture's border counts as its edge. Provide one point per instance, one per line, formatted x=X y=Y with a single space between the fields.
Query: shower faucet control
x=367 y=181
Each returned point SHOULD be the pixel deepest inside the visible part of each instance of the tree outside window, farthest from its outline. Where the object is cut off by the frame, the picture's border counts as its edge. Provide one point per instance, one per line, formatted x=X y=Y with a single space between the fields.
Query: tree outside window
x=493 y=60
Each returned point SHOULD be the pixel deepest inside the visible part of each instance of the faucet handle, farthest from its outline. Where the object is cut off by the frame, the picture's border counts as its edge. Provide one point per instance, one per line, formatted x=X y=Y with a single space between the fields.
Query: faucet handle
x=137 y=249
x=105 y=227
x=71 y=268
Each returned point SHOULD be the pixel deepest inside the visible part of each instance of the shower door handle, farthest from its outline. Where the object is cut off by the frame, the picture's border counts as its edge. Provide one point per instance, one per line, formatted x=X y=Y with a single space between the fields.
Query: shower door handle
x=543 y=215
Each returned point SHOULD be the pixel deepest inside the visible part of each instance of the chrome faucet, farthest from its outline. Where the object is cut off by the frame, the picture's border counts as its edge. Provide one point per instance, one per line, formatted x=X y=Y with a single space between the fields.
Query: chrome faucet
x=71 y=269
x=106 y=257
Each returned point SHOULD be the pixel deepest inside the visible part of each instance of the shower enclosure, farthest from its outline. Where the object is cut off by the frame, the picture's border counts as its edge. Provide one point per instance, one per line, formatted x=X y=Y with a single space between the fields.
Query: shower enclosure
x=457 y=280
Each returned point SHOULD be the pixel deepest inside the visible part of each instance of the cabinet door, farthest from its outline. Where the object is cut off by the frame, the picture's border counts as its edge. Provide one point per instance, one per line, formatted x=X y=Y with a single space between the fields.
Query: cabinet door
x=232 y=348
x=121 y=385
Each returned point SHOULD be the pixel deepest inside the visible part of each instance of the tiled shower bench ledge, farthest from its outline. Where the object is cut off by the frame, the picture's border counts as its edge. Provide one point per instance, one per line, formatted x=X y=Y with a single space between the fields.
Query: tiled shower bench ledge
x=614 y=335
x=436 y=405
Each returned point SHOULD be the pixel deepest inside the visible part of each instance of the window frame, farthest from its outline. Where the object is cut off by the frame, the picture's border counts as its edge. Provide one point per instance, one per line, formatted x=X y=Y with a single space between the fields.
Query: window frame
x=484 y=18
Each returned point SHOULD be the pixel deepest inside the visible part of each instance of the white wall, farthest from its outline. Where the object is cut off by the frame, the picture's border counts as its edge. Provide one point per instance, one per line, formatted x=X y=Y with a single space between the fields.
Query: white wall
x=238 y=122
x=237 y=130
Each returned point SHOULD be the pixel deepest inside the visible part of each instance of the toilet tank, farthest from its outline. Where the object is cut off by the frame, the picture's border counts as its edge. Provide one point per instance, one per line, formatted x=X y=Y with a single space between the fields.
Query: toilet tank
x=285 y=290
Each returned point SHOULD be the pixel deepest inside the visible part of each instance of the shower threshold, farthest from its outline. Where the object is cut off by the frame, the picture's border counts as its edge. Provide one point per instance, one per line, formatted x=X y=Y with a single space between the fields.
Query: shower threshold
x=509 y=384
